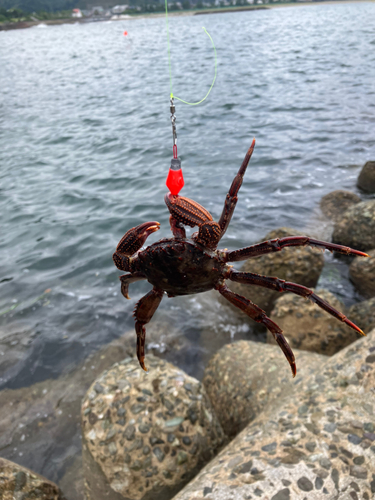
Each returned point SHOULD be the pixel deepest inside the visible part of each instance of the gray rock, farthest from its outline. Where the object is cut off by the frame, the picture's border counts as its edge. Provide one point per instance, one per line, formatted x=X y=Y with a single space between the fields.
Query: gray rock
x=243 y=378
x=15 y=341
x=356 y=228
x=172 y=432
x=42 y=422
x=363 y=314
x=301 y=265
x=19 y=483
x=334 y=204
x=362 y=273
x=273 y=456
x=366 y=178
x=308 y=327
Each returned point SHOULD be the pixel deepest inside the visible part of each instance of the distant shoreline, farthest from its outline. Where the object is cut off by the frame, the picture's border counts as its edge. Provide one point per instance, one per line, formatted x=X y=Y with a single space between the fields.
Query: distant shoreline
x=144 y=15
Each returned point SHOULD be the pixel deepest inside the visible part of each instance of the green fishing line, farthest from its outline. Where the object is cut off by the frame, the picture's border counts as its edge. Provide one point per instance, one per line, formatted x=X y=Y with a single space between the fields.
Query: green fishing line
x=170 y=66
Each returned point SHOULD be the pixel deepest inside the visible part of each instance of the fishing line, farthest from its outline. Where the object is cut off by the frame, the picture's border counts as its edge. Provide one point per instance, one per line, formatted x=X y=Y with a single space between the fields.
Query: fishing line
x=170 y=65
x=175 y=179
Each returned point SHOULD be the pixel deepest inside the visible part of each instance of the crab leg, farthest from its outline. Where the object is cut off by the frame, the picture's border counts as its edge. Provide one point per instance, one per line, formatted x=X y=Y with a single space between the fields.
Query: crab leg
x=278 y=244
x=258 y=315
x=143 y=312
x=190 y=213
x=177 y=228
x=186 y=211
x=231 y=198
x=286 y=286
x=126 y=279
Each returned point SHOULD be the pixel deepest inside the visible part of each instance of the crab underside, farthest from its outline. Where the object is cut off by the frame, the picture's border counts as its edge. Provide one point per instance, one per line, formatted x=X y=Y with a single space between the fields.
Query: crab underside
x=182 y=266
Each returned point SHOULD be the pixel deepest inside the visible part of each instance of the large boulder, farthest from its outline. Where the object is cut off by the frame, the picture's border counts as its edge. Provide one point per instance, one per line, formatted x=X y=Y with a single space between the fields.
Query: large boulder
x=366 y=178
x=316 y=442
x=19 y=483
x=301 y=265
x=356 y=227
x=40 y=424
x=310 y=328
x=243 y=378
x=334 y=204
x=362 y=273
x=363 y=314
x=145 y=435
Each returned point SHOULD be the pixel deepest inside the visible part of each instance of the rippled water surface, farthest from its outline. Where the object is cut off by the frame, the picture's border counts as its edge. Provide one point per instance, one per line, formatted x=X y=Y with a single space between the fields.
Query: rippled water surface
x=85 y=146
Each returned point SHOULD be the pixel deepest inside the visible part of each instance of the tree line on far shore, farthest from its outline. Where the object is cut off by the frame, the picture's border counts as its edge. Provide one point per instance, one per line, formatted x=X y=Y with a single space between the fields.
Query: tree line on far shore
x=29 y=6
x=24 y=10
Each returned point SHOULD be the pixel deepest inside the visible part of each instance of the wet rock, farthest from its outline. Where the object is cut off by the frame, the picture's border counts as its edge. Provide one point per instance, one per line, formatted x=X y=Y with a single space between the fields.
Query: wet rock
x=290 y=454
x=243 y=378
x=334 y=204
x=163 y=338
x=363 y=314
x=301 y=265
x=366 y=178
x=170 y=431
x=356 y=228
x=19 y=483
x=15 y=341
x=308 y=327
x=362 y=273
x=40 y=424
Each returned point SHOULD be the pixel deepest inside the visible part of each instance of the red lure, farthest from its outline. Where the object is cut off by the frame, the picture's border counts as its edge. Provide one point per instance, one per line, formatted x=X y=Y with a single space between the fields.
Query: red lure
x=175 y=179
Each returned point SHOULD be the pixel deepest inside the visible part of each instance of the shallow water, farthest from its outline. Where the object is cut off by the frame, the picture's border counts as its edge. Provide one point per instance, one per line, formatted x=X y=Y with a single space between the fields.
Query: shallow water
x=85 y=146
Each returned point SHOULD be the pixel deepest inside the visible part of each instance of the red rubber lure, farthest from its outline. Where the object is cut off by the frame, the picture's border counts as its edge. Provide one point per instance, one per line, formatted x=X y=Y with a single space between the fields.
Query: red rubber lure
x=175 y=179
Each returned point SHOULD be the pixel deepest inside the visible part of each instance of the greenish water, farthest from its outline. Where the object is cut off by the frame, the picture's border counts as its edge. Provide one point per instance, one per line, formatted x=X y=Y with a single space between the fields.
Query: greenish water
x=85 y=146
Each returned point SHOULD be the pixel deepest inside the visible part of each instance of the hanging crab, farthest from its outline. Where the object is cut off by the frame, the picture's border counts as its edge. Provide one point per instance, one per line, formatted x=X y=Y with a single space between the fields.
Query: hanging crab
x=183 y=266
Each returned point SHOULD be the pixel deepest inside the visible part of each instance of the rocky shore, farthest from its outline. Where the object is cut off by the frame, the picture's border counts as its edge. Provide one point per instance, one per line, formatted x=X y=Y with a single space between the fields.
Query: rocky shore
x=53 y=22
x=248 y=430
x=30 y=24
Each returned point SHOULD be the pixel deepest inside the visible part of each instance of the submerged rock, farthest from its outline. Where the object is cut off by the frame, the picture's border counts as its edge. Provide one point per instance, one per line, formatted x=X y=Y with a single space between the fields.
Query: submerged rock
x=301 y=265
x=363 y=314
x=318 y=442
x=366 y=178
x=243 y=378
x=308 y=327
x=19 y=483
x=145 y=435
x=362 y=273
x=356 y=228
x=334 y=204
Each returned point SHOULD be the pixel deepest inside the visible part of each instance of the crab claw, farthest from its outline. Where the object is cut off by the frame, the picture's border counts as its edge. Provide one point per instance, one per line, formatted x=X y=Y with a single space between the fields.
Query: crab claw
x=135 y=238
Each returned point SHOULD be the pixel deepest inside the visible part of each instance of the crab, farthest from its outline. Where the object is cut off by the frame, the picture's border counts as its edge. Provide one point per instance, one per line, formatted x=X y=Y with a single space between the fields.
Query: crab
x=183 y=266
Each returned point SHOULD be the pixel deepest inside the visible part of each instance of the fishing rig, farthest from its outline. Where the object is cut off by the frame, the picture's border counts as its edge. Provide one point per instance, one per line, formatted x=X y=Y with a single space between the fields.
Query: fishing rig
x=175 y=179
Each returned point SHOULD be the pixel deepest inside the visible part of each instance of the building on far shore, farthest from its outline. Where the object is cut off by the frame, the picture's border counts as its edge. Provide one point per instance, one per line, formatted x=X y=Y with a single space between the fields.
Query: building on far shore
x=119 y=9
x=77 y=13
